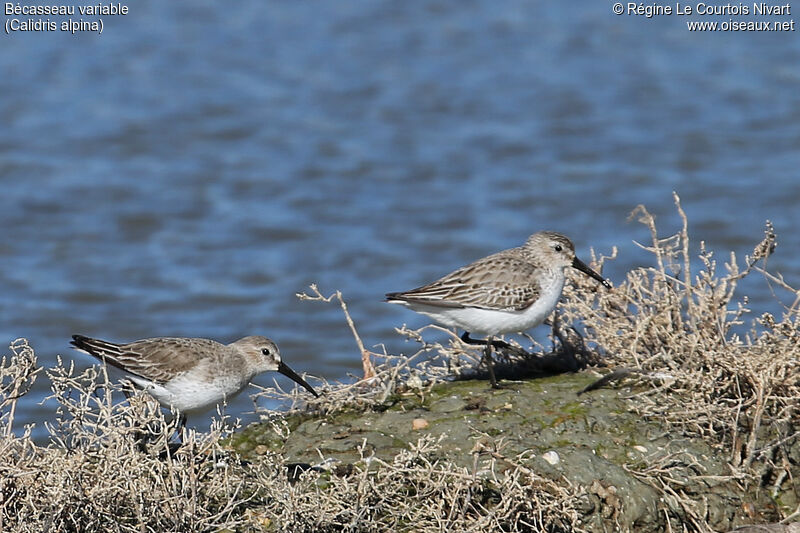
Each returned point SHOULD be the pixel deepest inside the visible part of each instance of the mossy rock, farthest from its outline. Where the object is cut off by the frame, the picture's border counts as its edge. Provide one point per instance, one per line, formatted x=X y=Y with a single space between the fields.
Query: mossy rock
x=592 y=441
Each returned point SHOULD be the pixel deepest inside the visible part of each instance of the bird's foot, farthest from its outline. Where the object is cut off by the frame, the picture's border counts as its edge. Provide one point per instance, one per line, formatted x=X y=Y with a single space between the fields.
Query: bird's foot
x=497 y=344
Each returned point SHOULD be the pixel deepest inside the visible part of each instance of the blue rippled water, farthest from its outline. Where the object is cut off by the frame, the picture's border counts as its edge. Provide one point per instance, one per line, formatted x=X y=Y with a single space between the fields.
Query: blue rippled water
x=189 y=170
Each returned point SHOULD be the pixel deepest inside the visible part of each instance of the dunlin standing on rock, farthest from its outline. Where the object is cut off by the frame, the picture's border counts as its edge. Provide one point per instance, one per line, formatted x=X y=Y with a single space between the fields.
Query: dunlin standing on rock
x=191 y=375
x=510 y=291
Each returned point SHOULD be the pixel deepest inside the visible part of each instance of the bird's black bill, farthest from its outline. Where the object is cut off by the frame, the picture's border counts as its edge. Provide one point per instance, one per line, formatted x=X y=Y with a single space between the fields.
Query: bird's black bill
x=289 y=373
x=580 y=265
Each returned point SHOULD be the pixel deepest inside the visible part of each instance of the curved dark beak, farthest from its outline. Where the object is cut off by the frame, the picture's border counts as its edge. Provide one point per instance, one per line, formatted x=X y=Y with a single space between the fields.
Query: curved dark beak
x=289 y=373
x=580 y=265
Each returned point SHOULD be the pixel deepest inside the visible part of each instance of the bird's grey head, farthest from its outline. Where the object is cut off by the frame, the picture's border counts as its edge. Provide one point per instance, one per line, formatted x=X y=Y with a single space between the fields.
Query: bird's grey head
x=261 y=352
x=557 y=251
x=551 y=249
x=265 y=357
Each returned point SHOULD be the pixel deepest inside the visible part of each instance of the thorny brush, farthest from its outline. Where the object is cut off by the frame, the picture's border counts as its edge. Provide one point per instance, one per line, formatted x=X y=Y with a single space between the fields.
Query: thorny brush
x=680 y=332
x=98 y=474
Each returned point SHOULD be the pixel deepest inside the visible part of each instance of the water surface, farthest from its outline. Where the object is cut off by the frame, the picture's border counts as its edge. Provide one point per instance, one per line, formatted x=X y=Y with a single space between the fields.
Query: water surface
x=192 y=168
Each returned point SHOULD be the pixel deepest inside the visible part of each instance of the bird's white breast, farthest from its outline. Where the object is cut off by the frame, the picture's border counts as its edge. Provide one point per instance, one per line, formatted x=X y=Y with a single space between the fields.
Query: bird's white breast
x=195 y=390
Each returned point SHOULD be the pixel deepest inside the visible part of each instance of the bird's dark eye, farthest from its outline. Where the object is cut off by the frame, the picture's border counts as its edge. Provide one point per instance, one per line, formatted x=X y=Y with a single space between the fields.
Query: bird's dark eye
x=557 y=248
x=265 y=351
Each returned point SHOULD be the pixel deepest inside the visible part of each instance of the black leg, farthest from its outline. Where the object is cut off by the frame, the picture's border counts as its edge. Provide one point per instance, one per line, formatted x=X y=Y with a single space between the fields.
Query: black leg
x=496 y=343
x=469 y=340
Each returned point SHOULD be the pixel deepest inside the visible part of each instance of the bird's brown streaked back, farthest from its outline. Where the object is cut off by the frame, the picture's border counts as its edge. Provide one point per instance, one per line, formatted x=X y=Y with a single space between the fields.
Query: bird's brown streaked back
x=502 y=281
x=166 y=357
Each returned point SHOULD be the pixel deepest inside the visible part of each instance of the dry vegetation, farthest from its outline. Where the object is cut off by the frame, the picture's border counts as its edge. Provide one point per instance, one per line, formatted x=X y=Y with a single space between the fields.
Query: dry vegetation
x=677 y=333
x=713 y=370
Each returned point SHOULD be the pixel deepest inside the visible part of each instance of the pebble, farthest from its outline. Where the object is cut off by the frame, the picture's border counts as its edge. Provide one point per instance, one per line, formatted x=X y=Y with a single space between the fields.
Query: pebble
x=551 y=457
x=419 y=423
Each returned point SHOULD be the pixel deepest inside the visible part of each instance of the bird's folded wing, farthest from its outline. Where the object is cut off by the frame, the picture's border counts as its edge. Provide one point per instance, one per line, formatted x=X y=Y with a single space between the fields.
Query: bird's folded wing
x=496 y=282
x=157 y=360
